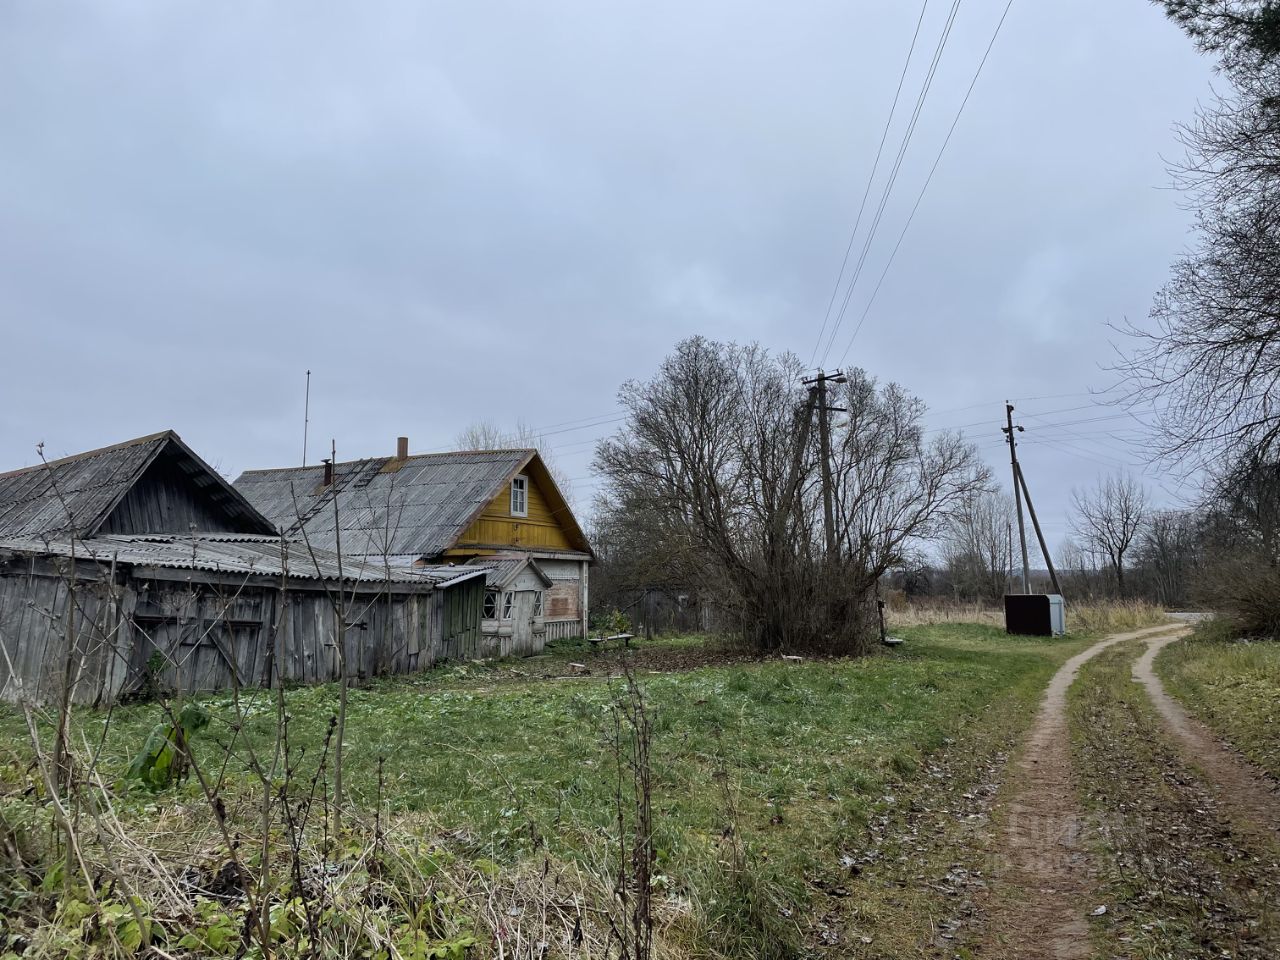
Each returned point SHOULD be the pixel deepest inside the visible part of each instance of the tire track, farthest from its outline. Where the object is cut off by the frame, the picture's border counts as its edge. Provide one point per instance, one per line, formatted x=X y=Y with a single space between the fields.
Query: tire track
x=1246 y=793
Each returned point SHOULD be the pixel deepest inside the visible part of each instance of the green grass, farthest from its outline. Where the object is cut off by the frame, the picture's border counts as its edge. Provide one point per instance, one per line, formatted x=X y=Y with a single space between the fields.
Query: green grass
x=1177 y=879
x=808 y=755
x=1233 y=687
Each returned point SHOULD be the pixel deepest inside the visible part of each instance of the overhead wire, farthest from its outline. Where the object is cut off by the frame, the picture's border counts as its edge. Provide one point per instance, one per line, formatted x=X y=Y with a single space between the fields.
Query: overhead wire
x=929 y=179
x=892 y=179
x=875 y=165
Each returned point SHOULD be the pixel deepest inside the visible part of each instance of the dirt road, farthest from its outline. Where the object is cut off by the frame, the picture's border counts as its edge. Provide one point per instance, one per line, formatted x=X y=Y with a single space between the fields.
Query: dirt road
x=1044 y=879
x=1248 y=798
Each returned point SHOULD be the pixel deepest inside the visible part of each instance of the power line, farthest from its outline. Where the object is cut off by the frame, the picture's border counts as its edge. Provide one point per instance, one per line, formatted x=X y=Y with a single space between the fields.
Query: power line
x=929 y=179
x=1065 y=423
x=1048 y=396
x=893 y=173
x=1097 y=439
x=870 y=179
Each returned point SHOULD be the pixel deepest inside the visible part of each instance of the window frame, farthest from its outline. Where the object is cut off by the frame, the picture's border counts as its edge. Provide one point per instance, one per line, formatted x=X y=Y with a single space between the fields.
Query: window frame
x=538 y=603
x=523 y=487
x=508 y=604
x=489 y=611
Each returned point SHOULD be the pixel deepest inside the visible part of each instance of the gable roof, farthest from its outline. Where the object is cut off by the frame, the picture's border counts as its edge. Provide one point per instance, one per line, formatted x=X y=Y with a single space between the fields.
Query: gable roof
x=418 y=506
x=77 y=493
x=504 y=568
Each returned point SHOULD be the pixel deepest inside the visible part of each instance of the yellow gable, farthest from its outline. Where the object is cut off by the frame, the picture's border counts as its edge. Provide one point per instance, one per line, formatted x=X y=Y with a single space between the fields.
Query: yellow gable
x=497 y=527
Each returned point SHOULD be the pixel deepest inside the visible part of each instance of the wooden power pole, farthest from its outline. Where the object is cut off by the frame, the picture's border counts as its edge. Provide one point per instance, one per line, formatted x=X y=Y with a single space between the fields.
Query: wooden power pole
x=1021 y=491
x=818 y=390
x=1017 y=493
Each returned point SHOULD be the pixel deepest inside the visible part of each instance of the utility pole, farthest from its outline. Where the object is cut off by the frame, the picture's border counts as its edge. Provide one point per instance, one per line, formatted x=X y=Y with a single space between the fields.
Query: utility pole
x=1017 y=492
x=818 y=391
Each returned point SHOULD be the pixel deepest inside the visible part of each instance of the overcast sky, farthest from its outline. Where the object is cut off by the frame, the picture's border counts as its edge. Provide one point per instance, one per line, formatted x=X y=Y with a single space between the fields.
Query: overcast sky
x=501 y=211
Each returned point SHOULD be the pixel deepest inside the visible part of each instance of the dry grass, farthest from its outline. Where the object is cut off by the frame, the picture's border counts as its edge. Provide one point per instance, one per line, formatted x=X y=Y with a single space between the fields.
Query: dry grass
x=1231 y=685
x=1096 y=618
x=1115 y=616
x=928 y=613
x=398 y=887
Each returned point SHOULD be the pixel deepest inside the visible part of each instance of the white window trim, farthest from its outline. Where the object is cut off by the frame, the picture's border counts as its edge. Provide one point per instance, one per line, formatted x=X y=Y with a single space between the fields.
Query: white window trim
x=539 y=603
x=524 y=495
x=508 y=604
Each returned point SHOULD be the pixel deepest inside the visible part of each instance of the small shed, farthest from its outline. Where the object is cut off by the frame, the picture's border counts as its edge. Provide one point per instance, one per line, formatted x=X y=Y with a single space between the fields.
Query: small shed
x=515 y=603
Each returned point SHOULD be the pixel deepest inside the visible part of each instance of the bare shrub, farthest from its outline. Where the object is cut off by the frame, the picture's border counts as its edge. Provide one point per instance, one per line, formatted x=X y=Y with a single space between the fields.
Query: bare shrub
x=631 y=740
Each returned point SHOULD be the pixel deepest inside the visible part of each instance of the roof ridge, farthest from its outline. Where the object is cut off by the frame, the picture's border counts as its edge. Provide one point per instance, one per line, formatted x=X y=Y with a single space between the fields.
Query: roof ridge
x=384 y=460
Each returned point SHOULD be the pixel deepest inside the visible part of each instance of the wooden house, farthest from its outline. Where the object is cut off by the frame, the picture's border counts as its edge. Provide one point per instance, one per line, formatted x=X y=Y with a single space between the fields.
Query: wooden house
x=137 y=568
x=466 y=507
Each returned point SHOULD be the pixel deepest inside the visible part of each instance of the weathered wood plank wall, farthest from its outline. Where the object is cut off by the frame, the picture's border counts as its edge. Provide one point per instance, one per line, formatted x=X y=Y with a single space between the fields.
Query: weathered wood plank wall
x=163 y=501
x=188 y=631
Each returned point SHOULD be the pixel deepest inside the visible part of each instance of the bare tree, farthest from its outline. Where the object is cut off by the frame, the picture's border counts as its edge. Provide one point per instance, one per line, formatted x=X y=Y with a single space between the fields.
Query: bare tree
x=1166 y=554
x=487 y=435
x=1210 y=368
x=893 y=487
x=718 y=460
x=976 y=546
x=1107 y=519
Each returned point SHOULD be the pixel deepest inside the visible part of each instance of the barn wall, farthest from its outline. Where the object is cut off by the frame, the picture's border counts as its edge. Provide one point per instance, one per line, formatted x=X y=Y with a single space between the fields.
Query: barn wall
x=146 y=633
x=60 y=625
x=164 y=500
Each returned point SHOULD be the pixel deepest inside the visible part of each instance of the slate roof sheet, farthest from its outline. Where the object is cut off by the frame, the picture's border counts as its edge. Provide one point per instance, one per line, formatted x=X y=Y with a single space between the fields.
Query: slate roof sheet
x=503 y=568
x=74 y=493
x=237 y=554
x=419 y=505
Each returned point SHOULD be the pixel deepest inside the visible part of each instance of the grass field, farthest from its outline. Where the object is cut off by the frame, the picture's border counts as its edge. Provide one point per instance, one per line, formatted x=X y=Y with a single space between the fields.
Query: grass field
x=1233 y=687
x=828 y=780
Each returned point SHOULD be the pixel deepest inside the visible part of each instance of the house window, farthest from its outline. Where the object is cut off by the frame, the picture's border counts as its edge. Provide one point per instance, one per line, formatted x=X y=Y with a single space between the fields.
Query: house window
x=537 y=603
x=490 y=604
x=508 y=604
x=520 y=496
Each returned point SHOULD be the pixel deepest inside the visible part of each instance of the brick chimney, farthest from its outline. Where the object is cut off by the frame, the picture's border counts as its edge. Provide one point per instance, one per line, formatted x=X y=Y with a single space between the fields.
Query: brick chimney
x=402 y=448
x=328 y=472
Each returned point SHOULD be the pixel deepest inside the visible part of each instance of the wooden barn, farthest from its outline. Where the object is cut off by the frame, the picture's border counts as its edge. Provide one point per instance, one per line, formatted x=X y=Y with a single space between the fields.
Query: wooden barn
x=136 y=568
x=468 y=507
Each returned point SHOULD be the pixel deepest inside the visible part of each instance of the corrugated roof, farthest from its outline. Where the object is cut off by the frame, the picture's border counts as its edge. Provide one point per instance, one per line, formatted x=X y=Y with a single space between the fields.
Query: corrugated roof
x=503 y=568
x=74 y=493
x=77 y=493
x=420 y=505
x=237 y=554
